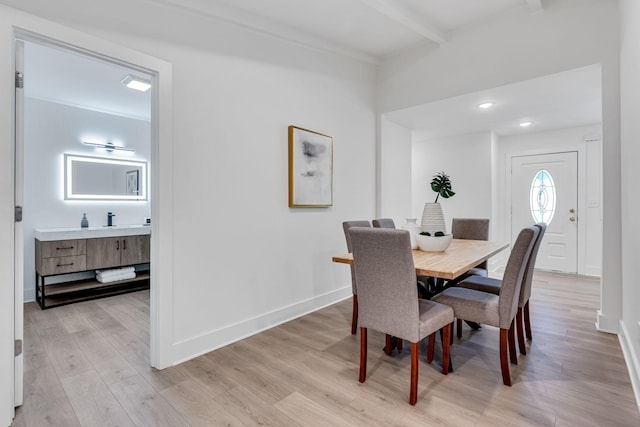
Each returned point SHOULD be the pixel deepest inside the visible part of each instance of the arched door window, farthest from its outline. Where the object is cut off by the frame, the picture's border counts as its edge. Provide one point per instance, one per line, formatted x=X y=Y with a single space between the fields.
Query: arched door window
x=543 y=197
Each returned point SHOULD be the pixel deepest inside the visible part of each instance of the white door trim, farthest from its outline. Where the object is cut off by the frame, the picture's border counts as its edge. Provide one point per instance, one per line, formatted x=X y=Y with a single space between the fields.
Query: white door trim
x=18 y=374
x=581 y=149
x=14 y=23
x=121 y=55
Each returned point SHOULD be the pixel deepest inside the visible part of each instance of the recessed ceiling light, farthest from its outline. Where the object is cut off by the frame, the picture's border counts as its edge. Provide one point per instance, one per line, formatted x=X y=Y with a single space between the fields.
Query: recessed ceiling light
x=525 y=124
x=486 y=105
x=137 y=83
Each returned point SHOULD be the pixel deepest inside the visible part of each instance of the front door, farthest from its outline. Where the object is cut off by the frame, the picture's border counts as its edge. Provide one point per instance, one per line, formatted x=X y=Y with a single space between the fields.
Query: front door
x=544 y=188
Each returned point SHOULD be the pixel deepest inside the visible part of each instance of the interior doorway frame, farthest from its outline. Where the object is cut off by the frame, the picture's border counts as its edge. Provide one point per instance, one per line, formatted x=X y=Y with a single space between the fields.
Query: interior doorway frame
x=18 y=25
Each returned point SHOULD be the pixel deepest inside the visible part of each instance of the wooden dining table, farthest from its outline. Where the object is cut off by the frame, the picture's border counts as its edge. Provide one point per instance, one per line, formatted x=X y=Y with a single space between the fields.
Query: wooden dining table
x=461 y=256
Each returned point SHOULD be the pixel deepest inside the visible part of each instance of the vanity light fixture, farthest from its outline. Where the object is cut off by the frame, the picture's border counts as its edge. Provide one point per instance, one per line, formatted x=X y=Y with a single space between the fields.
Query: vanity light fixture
x=109 y=146
x=486 y=105
x=137 y=83
x=525 y=124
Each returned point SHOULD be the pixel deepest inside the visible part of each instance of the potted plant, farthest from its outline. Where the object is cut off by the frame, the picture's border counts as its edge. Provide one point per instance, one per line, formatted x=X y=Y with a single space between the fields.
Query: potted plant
x=433 y=226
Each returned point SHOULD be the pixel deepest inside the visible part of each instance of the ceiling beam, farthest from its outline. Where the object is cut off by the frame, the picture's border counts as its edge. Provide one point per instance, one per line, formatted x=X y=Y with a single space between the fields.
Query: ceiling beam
x=534 y=5
x=403 y=16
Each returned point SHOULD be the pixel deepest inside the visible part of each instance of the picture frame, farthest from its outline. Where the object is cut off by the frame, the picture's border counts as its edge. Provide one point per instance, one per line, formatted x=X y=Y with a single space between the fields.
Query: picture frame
x=310 y=168
x=133 y=183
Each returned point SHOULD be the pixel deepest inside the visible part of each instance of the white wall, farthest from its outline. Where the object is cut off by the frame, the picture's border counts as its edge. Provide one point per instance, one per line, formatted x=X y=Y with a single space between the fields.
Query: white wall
x=243 y=260
x=51 y=130
x=395 y=172
x=589 y=191
x=630 y=127
x=467 y=161
x=517 y=46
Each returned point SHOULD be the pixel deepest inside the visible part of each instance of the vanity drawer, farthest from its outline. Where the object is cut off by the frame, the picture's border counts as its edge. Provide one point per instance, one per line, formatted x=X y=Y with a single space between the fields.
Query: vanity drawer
x=61 y=265
x=58 y=248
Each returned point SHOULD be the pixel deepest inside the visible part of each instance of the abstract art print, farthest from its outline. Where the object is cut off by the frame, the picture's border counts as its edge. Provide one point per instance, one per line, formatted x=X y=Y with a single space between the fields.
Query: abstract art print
x=310 y=168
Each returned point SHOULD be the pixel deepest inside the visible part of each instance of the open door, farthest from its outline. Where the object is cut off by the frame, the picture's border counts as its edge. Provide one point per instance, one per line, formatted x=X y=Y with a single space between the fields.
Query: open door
x=18 y=229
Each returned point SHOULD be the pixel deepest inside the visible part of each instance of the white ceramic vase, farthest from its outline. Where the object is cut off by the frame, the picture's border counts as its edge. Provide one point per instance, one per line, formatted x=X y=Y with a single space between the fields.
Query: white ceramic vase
x=433 y=218
x=414 y=230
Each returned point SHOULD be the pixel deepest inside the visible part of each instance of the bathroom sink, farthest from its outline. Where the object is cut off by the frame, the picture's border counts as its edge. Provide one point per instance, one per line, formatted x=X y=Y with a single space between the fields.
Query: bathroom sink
x=91 y=232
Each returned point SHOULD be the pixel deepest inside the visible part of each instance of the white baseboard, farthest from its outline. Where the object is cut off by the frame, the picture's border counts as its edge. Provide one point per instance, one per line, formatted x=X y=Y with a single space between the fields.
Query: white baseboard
x=193 y=347
x=29 y=295
x=590 y=270
x=631 y=358
x=607 y=324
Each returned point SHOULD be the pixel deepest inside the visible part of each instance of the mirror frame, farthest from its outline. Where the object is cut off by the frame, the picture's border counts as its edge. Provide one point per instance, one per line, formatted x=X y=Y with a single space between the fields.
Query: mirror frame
x=68 y=178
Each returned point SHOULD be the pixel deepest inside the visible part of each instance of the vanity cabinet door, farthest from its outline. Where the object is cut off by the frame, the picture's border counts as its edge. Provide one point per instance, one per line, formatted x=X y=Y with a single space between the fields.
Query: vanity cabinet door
x=135 y=249
x=103 y=253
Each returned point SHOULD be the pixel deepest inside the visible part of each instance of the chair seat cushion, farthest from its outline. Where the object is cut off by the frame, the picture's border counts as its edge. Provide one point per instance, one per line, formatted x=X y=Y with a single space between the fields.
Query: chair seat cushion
x=484 y=284
x=433 y=316
x=469 y=304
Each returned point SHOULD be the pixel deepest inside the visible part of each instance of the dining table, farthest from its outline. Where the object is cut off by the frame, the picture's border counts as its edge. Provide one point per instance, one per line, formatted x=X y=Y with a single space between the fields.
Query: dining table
x=461 y=256
x=438 y=267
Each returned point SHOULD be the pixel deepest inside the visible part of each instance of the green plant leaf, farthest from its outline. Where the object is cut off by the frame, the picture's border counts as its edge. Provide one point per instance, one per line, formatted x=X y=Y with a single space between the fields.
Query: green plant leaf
x=441 y=185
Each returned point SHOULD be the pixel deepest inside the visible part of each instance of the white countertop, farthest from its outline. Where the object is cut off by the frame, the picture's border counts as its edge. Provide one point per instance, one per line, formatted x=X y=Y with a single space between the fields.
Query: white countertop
x=48 y=234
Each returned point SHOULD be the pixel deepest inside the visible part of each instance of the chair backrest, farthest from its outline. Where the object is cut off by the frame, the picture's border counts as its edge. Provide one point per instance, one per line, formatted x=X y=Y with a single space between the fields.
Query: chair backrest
x=346 y=226
x=383 y=223
x=514 y=275
x=525 y=292
x=386 y=276
x=471 y=229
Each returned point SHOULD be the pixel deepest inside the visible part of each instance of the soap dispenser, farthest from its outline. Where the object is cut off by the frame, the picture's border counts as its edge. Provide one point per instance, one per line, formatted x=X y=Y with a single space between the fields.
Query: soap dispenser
x=85 y=222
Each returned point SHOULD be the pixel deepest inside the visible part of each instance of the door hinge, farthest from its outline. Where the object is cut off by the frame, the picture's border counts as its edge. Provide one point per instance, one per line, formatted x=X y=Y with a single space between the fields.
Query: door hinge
x=17 y=348
x=18 y=213
x=19 y=80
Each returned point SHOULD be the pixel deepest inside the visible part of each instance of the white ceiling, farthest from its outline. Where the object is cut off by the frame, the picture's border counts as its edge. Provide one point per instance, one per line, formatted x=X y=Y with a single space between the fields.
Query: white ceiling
x=365 y=29
x=66 y=77
x=568 y=99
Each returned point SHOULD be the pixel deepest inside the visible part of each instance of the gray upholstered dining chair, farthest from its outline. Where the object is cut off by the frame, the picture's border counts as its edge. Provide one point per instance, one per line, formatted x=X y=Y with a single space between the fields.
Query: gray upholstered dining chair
x=471 y=229
x=496 y=310
x=346 y=226
x=383 y=223
x=492 y=285
x=388 y=299
x=423 y=281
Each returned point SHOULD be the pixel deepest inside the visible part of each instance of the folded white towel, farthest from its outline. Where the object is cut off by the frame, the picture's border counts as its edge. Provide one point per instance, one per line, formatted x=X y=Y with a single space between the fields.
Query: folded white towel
x=113 y=274
x=116 y=270
x=114 y=278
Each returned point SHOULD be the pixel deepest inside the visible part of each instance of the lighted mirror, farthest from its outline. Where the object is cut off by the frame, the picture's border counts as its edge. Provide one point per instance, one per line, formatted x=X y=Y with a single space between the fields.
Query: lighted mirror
x=100 y=178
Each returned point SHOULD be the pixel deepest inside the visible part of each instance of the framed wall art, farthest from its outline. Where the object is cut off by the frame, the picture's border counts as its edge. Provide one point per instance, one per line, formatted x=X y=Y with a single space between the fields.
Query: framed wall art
x=133 y=182
x=310 y=168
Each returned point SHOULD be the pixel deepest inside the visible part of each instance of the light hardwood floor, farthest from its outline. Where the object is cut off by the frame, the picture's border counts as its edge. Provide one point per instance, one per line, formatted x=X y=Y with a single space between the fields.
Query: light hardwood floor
x=88 y=364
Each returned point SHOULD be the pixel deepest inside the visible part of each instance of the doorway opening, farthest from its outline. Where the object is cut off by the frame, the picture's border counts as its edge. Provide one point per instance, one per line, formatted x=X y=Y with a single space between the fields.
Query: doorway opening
x=71 y=96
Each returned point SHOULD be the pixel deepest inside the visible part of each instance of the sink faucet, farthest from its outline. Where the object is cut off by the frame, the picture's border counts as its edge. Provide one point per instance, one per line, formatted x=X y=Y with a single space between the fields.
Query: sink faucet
x=110 y=216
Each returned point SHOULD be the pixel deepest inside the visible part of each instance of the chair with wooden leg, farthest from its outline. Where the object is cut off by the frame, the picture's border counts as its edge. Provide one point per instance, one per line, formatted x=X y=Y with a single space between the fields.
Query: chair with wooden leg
x=492 y=285
x=470 y=229
x=496 y=310
x=388 y=298
x=346 y=226
x=383 y=223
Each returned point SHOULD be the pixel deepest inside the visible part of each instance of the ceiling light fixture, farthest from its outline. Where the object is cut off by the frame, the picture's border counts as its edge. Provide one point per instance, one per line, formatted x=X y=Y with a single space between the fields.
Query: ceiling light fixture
x=109 y=146
x=486 y=105
x=137 y=83
x=525 y=124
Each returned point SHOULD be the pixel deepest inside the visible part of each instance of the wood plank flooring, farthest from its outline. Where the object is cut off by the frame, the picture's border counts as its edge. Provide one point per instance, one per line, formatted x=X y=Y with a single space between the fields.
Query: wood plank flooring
x=87 y=364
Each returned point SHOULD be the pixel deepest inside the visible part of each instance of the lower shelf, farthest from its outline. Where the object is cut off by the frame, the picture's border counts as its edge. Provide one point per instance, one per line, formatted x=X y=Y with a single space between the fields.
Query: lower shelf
x=84 y=290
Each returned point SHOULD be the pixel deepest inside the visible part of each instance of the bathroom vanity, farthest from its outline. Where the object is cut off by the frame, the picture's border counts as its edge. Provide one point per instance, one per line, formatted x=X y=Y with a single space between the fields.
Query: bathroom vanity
x=63 y=255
